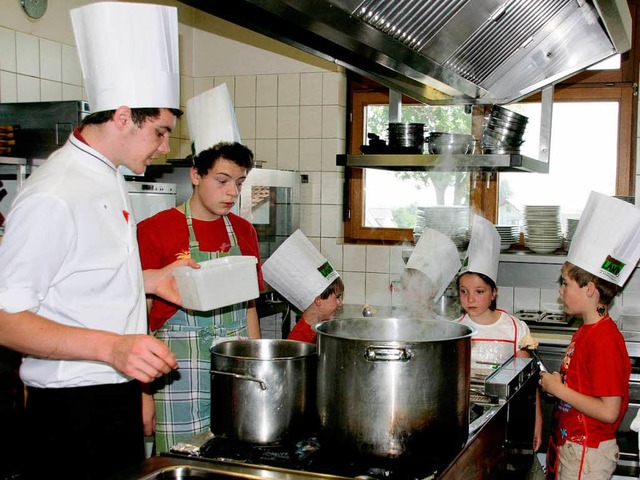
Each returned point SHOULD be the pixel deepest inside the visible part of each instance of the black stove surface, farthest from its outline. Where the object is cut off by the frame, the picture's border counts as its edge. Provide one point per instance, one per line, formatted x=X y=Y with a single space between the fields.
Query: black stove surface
x=309 y=455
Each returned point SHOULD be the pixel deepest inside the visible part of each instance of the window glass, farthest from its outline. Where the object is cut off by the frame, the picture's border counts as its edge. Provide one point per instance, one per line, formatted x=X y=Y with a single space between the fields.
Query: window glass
x=611 y=63
x=399 y=199
x=583 y=157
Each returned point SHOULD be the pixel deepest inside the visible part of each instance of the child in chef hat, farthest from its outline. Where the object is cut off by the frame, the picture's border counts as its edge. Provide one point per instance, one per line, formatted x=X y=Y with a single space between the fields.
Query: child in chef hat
x=498 y=334
x=432 y=266
x=299 y=272
x=591 y=389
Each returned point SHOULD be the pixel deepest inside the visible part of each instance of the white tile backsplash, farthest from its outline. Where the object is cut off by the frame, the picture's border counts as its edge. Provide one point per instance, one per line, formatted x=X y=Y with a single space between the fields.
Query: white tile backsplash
x=266 y=151
x=378 y=258
x=355 y=258
x=50 y=60
x=246 y=118
x=526 y=298
x=289 y=89
x=245 y=95
x=7 y=50
x=310 y=216
x=334 y=89
x=396 y=264
x=8 y=87
x=28 y=89
x=332 y=188
x=288 y=152
x=378 y=289
x=334 y=121
x=311 y=89
x=550 y=299
x=310 y=154
x=310 y=122
x=331 y=222
x=288 y=122
x=505 y=299
x=72 y=92
x=266 y=122
x=332 y=252
x=50 y=91
x=201 y=85
x=267 y=91
x=27 y=55
x=354 y=287
x=311 y=192
x=330 y=148
x=71 y=71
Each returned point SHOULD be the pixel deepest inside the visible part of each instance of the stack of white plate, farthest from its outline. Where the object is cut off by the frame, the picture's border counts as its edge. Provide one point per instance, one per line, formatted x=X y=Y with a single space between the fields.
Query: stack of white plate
x=509 y=234
x=572 y=224
x=453 y=221
x=543 y=231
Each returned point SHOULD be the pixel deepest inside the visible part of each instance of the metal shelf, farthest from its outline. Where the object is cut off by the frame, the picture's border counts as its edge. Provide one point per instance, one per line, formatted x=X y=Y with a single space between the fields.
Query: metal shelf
x=445 y=163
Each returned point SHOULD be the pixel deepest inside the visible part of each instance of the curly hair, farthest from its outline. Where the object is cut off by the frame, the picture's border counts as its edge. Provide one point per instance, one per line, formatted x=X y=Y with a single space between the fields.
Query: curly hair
x=232 y=151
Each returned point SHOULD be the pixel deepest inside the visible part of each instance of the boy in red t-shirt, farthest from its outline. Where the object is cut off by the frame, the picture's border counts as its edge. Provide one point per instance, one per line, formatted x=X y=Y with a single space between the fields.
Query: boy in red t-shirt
x=592 y=388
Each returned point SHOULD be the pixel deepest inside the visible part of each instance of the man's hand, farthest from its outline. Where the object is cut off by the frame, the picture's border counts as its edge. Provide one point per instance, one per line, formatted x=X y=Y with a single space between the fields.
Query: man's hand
x=142 y=357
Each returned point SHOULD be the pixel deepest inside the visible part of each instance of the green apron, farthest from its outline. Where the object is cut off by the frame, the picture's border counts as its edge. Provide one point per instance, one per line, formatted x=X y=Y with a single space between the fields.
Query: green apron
x=183 y=399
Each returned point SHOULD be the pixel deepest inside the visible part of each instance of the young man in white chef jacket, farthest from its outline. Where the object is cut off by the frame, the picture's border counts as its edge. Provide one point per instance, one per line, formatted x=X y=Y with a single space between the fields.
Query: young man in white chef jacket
x=72 y=292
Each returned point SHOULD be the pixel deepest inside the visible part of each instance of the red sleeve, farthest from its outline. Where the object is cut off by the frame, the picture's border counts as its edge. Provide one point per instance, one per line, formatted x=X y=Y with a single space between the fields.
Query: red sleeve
x=302 y=331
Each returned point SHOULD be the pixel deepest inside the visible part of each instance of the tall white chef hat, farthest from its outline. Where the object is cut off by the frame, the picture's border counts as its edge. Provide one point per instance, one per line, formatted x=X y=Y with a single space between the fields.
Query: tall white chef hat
x=298 y=271
x=128 y=54
x=211 y=119
x=483 y=253
x=606 y=242
x=437 y=257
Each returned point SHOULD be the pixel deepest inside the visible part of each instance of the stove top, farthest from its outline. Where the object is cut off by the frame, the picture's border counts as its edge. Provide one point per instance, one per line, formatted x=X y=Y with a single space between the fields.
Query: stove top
x=309 y=455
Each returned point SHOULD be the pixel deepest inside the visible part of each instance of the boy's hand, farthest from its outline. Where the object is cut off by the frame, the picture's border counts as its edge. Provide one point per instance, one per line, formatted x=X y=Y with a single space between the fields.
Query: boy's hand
x=551 y=383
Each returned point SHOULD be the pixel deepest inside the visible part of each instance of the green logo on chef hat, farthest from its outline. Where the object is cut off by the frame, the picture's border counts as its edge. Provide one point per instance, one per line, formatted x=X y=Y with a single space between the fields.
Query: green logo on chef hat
x=325 y=269
x=612 y=266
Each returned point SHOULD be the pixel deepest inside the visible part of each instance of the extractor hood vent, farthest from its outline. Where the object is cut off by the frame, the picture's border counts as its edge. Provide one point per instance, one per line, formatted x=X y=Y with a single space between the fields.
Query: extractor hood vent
x=445 y=51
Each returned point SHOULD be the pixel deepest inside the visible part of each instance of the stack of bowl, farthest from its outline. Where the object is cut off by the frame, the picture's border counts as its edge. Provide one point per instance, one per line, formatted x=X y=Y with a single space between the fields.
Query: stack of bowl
x=503 y=132
x=509 y=234
x=406 y=135
x=441 y=143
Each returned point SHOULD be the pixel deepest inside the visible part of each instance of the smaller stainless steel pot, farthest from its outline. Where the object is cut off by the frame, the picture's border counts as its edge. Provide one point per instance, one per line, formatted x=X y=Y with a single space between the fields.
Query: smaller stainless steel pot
x=262 y=390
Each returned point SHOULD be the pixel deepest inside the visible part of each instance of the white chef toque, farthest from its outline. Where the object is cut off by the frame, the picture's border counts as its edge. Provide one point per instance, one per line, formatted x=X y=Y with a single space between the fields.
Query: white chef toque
x=606 y=242
x=211 y=119
x=128 y=55
x=298 y=271
x=437 y=257
x=483 y=253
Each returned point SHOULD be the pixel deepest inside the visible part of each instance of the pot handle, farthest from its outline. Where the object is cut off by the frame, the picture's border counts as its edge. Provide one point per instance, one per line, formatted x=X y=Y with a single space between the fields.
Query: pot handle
x=387 y=354
x=263 y=386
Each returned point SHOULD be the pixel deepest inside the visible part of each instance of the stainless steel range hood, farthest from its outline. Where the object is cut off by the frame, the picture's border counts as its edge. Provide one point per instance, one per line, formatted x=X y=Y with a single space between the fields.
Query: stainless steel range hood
x=445 y=51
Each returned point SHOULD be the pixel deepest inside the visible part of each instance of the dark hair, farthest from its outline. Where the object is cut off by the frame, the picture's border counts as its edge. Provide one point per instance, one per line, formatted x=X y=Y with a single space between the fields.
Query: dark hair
x=336 y=287
x=138 y=116
x=232 y=151
x=485 y=279
x=606 y=289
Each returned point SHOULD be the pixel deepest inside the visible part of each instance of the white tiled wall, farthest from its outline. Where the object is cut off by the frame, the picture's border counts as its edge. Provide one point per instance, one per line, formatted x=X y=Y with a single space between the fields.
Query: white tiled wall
x=294 y=120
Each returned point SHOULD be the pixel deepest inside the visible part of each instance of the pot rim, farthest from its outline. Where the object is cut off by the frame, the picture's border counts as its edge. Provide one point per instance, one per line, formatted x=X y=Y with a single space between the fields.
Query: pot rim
x=311 y=349
x=394 y=342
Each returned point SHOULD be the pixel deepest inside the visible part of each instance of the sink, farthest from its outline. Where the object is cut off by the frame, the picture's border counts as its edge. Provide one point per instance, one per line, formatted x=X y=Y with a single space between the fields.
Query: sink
x=178 y=467
x=187 y=473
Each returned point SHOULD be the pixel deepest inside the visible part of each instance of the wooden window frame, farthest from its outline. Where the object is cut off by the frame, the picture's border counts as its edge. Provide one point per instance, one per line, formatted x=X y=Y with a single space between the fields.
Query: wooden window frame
x=597 y=85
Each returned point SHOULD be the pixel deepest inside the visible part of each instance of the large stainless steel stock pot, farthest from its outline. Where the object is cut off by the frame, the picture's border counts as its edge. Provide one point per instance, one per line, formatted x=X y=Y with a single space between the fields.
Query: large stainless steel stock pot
x=393 y=387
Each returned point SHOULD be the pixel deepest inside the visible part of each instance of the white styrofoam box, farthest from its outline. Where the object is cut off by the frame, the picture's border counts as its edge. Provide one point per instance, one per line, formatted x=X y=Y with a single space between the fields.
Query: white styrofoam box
x=218 y=283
